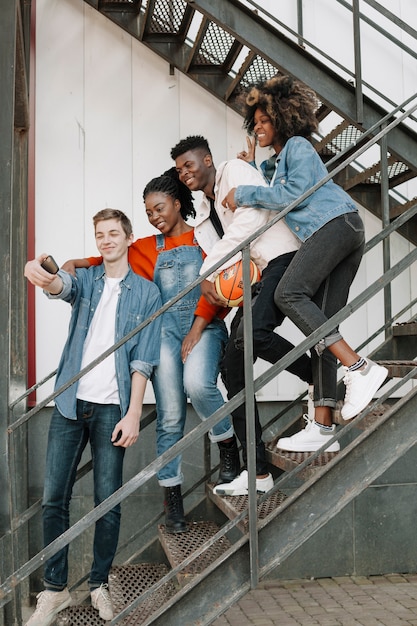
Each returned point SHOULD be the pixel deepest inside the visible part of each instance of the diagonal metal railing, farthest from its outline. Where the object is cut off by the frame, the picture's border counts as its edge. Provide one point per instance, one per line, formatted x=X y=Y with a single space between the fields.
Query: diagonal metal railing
x=359 y=19
x=21 y=573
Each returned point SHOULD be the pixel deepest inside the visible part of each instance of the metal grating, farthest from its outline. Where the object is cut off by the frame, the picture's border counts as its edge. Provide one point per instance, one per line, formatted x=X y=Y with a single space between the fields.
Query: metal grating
x=179 y=546
x=79 y=616
x=290 y=460
x=234 y=505
x=127 y=582
x=130 y=6
x=215 y=46
x=347 y=137
x=167 y=16
x=259 y=69
x=394 y=170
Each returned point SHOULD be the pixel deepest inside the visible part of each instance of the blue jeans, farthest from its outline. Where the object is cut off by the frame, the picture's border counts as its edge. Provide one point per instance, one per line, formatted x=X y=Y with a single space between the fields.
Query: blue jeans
x=267 y=345
x=174 y=380
x=66 y=441
x=316 y=286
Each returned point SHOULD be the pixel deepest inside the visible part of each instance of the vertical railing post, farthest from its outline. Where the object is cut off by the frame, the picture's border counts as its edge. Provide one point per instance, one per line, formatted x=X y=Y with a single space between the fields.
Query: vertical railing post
x=358 y=61
x=386 y=246
x=300 y=24
x=14 y=121
x=250 y=421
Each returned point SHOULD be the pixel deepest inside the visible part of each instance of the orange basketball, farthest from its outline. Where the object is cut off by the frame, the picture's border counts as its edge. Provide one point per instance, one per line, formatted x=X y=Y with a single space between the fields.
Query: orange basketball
x=229 y=283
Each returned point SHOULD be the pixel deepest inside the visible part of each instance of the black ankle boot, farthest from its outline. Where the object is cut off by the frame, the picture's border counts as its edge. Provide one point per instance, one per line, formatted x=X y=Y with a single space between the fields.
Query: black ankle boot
x=174 y=510
x=229 y=461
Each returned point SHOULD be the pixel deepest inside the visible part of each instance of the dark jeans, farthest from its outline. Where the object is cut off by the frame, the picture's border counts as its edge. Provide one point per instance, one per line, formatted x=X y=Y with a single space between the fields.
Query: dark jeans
x=316 y=286
x=267 y=345
x=66 y=442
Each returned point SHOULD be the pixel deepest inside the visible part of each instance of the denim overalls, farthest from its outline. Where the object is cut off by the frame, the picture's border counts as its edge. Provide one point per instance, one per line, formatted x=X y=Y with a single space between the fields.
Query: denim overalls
x=174 y=380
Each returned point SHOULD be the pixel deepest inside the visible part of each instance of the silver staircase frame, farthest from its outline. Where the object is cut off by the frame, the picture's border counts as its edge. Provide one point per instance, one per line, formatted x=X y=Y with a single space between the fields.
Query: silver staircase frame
x=250 y=557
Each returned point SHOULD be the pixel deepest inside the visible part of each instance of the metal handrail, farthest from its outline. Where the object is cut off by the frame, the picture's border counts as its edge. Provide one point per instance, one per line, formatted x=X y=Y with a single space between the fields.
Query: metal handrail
x=330 y=60
x=142 y=477
x=385 y=130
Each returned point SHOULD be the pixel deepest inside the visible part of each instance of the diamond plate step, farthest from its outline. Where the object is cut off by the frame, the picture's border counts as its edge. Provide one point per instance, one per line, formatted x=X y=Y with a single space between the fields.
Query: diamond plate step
x=126 y=583
x=231 y=506
x=179 y=546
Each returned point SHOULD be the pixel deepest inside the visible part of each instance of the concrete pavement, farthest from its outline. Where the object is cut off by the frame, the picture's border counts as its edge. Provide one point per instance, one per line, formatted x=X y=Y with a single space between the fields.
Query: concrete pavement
x=344 y=601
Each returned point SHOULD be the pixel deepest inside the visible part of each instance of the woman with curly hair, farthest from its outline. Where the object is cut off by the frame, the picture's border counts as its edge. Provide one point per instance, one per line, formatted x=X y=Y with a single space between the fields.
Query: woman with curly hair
x=281 y=113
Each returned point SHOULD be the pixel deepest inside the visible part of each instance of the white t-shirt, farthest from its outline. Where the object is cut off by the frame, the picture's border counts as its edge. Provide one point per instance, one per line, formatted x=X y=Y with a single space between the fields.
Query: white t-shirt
x=100 y=384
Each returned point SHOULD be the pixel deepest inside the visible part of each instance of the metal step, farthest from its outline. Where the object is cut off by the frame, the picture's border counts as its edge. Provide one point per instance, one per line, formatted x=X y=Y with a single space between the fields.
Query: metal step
x=179 y=546
x=126 y=583
x=302 y=514
x=288 y=461
x=401 y=346
x=399 y=369
x=232 y=506
x=225 y=49
x=409 y=329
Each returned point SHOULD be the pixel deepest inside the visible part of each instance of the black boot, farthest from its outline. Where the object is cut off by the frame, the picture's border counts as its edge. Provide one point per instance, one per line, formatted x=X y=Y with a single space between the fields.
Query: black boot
x=174 y=510
x=229 y=461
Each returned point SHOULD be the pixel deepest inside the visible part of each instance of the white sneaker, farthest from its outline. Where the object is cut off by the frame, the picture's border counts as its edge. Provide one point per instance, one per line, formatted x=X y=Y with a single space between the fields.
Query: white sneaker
x=310 y=439
x=239 y=486
x=49 y=603
x=361 y=386
x=100 y=600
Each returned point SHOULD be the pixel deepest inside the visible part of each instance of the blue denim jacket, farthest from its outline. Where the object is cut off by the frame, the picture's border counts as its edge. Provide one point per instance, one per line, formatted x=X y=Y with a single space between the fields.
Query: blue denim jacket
x=139 y=298
x=298 y=168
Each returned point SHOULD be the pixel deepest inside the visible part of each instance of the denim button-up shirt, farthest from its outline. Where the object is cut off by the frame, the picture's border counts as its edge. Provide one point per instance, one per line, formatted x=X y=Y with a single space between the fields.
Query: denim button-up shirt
x=138 y=299
x=298 y=168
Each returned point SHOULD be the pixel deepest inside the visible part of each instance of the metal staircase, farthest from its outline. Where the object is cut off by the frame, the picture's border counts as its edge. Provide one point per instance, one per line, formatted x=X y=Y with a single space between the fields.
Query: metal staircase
x=225 y=46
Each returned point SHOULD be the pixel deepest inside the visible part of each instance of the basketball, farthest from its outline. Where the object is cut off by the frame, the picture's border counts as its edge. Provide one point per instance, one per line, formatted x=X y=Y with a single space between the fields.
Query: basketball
x=229 y=283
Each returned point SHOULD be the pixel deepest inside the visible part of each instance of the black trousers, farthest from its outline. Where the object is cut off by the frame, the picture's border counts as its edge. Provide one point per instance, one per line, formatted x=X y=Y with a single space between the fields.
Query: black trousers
x=267 y=345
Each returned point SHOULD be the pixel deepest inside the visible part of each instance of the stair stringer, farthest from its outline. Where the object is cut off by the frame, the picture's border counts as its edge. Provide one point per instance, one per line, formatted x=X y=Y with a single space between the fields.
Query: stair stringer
x=299 y=517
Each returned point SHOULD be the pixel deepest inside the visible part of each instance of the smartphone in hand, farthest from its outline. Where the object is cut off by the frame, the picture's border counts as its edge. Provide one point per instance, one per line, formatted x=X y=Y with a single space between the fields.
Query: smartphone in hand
x=50 y=265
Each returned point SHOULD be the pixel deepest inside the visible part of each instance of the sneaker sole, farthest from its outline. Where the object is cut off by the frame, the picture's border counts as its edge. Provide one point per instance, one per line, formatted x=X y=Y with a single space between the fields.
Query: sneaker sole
x=381 y=377
x=334 y=447
x=176 y=531
x=235 y=492
x=105 y=618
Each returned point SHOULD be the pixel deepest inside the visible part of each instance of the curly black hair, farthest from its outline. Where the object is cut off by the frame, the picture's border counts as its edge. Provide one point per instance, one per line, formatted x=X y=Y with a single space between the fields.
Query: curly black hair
x=193 y=142
x=289 y=103
x=170 y=184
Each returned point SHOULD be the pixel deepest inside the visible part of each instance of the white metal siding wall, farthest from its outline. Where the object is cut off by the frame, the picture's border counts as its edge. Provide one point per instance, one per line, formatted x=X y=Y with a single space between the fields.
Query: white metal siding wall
x=107 y=114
